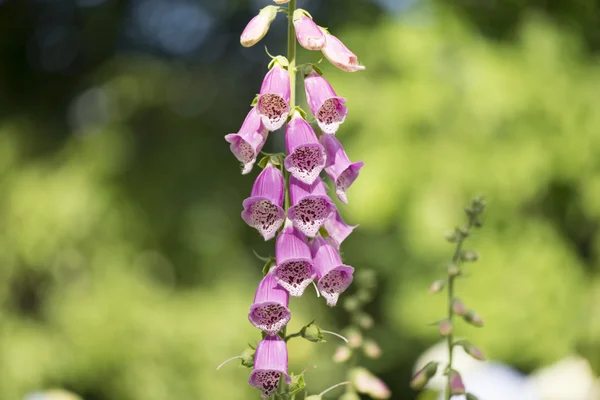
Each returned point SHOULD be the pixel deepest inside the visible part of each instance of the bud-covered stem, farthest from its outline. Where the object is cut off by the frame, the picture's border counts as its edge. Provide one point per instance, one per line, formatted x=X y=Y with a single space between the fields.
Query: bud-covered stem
x=292 y=52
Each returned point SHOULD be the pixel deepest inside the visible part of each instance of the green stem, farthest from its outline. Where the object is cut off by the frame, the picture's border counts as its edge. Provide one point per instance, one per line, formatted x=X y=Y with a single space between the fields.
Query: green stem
x=456 y=261
x=292 y=335
x=292 y=52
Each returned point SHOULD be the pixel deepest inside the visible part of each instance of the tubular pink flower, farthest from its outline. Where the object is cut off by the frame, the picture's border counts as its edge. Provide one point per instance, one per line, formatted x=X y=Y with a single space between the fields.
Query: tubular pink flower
x=334 y=277
x=258 y=26
x=309 y=35
x=270 y=312
x=262 y=210
x=295 y=269
x=311 y=206
x=307 y=156
x=329 y=109
x=339 y=55
x=249 y=141
x=270 y=361
x=337 y=229
x=274 y=98
x=338 y=167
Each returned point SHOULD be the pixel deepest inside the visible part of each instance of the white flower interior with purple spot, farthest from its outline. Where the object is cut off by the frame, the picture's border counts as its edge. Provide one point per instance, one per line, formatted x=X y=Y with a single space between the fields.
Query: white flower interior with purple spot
x=306 y=156
x=311 y=206
x=270 y=362
x=262 y=210
x=294 y=266
x=273 y=104
x=270 y=312
x=249 y=141
x=328 y=108
x=334 y=277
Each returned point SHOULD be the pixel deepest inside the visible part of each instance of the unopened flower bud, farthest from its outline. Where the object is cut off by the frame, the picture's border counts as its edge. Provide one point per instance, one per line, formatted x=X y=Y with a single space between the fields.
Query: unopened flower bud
x=453 y=270
x=312 y=333
x=473 y=318
x=258 y=26
x=451 y=236
x=371 y=349
x=469 y=255
x=349 y=396
x=355 y=339
x=456 y=384
x=470 y=349
x=281 y=1
x=364 y=320
x=248 y=357
x=367 y=383
x=423 y=376
x=309 y=35
x=437 y=286
x=351 y=304
x=445 y=327
x=342 y=354
x=458 y=307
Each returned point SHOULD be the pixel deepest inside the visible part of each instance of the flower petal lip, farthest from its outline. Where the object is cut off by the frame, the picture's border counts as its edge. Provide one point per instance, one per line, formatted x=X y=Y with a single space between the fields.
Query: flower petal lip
x=339 y=167
x=311 y=206
x=294 y=266
x=249 y=141
x=306 y=156
x=309 y=35
x=337 y=229
x=339 y=55
x=270 y=361
x=269 y=311
x=262 y=210
x=328 y=108
x=273 y=104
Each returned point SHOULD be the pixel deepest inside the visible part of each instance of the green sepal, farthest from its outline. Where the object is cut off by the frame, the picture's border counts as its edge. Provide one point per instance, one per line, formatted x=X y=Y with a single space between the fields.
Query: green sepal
x=267 y=266
x=263 y=162
x=281 y=60
x=248 y=357
x=297 y=384
x=254 y=101
x=261 y=258
x=323 y=231
x=312 y=332
x=299 y=13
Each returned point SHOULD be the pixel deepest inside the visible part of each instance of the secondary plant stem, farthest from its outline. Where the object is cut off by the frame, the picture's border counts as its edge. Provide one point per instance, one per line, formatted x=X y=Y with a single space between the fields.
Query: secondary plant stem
x=292 y=52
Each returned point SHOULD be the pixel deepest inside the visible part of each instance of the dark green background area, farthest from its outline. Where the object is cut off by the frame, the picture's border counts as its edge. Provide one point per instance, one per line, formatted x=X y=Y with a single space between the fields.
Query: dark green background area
x=126 y=272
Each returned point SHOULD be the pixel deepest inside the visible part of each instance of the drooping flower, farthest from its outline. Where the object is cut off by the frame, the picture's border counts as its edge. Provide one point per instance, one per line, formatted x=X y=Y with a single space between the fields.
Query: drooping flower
x=311 y=206
x=337 y=229
x=262 y=210
x=294 y=266
x=329 y=109
x=334 y=277
x=270 y=362
x=273 y=104
x=338 y=167
x=306 y=156
x=365 y=382
x=249 y=141
x=258 y=26
x=339 y=55
x=270 y=312
x=309 y=35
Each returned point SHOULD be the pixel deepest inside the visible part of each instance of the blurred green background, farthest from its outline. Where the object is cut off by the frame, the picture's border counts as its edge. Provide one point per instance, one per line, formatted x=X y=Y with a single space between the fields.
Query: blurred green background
x=126 y=272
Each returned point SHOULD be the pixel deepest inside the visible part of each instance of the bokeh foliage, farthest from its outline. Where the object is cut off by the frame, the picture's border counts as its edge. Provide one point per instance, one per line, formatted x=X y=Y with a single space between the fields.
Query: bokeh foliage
x=126 y=271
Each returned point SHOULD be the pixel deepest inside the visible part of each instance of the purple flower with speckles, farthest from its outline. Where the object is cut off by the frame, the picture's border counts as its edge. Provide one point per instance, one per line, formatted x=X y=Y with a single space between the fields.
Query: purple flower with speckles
x=339 y=168
x=334 y=277
x=249 y=141
x=262 y=210
x=270 y=312
x=309 y=35
x=337 y=229
x=307 y=156
x=274 y=98
x=294 y=270
x=270 y=362
x=329 y=109
x=339 y=55
x=311 y=206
